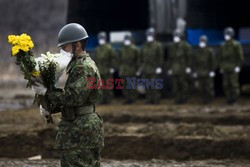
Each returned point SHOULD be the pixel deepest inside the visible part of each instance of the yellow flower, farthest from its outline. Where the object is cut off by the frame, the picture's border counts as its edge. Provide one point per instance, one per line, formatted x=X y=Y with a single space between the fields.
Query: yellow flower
x=36 y=73
x=15 y=50
x=24 y=48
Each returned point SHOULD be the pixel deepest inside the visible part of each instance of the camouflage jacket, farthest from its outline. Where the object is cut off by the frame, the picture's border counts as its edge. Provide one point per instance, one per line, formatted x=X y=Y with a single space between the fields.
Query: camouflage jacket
x=204 y=61
x=129 y=60
x=104 y=58
x=151 y=57
x=84 y=131
x=231 y=55
x=179 y=57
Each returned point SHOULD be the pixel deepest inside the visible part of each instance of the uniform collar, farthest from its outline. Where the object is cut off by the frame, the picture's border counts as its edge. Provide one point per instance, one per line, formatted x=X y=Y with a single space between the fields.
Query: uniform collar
x=82 y=56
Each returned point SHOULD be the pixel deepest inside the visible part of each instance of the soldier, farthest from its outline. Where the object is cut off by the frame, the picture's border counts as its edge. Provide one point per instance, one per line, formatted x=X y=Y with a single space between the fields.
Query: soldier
x=152 y=59
x=231 y=59
x=80 y=138
x=129 y=63
x=105 y=59
x=204 y=66
x=178 y=64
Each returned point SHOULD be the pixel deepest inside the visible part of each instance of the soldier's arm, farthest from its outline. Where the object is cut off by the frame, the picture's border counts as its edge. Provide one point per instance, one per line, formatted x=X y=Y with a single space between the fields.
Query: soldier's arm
x=76 y=93
x=160 y=55
x=240 y=54
x=213 y=59
x=169 y=58
x=189 y=55
x=113 y=58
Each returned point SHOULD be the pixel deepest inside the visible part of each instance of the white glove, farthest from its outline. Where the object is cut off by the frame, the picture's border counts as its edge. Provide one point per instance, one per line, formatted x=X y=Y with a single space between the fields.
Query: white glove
x=170 y=72
x=138 y=73
x=188 y=70
x=111 y=70
x=39 y=88
x=211 y=74
x=195 y=75
x=43 y=112
x=237 y=69
x=158 y=70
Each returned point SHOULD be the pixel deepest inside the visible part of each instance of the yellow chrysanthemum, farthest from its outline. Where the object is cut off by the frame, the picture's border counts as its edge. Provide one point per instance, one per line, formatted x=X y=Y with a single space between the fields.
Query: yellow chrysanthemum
x=15 y=50
x=36 y=73
x=22 y=42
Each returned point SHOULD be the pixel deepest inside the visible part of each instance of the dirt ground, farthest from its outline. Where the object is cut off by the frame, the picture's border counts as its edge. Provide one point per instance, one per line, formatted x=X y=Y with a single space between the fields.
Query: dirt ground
x=135 y=135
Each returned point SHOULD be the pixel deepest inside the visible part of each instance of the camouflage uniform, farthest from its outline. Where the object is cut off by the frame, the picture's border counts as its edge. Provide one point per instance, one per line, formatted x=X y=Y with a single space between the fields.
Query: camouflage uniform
x=179 y=57
x=152 y=58
x=80 y=139
x=129 y=62
x=231 y=57
x=105 y=58
x=204 y=63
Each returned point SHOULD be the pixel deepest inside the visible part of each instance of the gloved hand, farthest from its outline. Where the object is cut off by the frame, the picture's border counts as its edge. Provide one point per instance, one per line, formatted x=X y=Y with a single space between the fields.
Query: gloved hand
x=138 y=73
x=170 y=72
x=158 y=70
x=211 y=74
x=188 y=70
x=237 y=69
x=43 y=112
x=39 y=89
x=111 y=70
x=195 y=75
x=221 y=71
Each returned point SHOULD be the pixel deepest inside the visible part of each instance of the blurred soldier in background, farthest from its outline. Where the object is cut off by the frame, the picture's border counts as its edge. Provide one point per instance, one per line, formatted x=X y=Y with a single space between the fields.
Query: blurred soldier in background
x=105 y=59
x=231 y=59
x=178 y=64
x=204 y=64
x=152 y=59
x=128 y=66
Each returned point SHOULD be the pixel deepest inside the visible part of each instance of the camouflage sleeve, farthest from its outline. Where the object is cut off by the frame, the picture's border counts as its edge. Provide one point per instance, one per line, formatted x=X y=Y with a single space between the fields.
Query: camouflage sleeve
x=240 y=54
x=213 y=60
x=113 y=58
x=189 y=55
x=76 y=93
x=169 y=58
x=160 y=55
x=138 y=62
x=220 y=56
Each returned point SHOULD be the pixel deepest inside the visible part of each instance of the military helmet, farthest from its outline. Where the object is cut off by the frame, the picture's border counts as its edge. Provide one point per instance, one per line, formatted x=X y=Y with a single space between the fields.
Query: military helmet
x=102 y=35
x=203 y=38
x=177 y=32
x=229 y=31
x=70 y=33
x=150 y=32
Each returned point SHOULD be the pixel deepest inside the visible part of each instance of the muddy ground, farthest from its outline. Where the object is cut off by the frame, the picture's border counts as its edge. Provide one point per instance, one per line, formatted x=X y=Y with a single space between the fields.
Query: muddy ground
x=136 y=135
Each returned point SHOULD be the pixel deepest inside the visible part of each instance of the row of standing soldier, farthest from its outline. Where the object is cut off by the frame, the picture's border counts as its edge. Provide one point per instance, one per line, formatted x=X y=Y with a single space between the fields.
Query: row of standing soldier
x=181 y=63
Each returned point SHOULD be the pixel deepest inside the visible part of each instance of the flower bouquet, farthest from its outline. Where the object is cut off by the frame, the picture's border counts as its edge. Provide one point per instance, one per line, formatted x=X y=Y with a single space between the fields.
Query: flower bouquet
x=45 y=69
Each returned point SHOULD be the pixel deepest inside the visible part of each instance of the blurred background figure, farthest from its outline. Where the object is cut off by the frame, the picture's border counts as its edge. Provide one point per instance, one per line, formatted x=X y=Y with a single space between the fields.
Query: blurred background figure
x=128 y=66
x=204 y=66
x=178 y=64
x=152 y=59
x=105 y=61
x=231 y=59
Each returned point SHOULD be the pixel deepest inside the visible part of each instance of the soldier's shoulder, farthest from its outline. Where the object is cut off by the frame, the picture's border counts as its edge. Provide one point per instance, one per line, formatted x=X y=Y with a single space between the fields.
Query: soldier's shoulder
x=86 y=64
x=236 y=43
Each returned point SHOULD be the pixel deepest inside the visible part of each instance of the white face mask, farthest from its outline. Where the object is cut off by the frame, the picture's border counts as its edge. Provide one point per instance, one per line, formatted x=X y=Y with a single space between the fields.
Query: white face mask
x=68 y=54
x=202 y=44
x=102 y=41
x=150 y=38
x=227 y=37
x=127 y=42
x=177 y=39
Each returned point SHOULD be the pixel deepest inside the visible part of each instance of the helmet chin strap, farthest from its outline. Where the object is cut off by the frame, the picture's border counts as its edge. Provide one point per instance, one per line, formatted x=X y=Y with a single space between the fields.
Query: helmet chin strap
x=74 y=49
